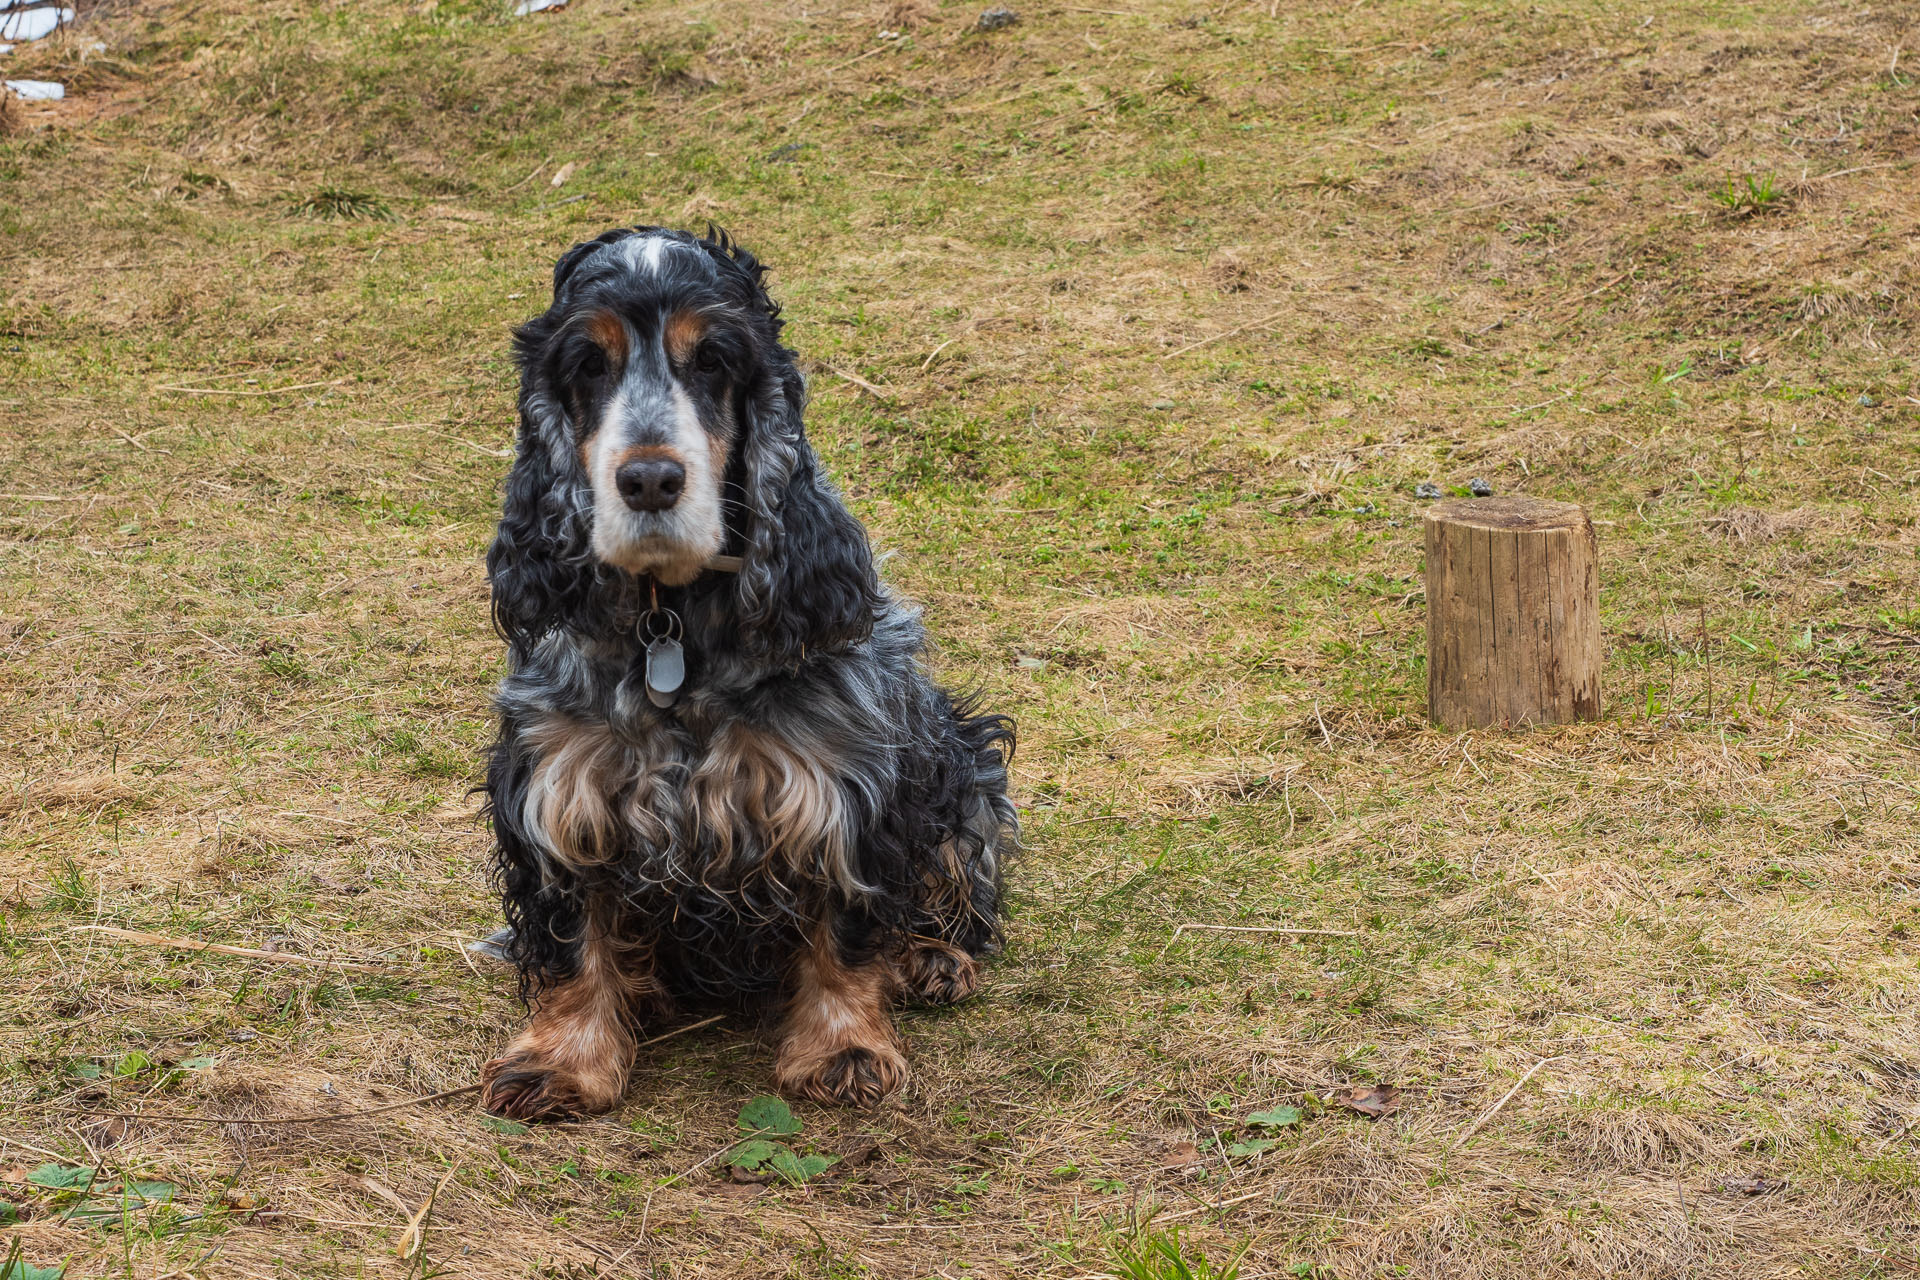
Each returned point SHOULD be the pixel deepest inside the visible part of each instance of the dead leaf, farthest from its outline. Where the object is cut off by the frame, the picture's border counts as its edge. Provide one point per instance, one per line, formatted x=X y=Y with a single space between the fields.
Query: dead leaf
x=1370 y=1100
x=110 y=1132
x=566 y=171
x=453 y=213
x=1751 y=1186
x=1181 y=1155
x=238 y=1200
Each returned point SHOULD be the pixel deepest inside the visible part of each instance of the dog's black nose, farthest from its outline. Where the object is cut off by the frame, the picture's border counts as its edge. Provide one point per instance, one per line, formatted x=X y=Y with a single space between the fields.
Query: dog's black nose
x=651 y=484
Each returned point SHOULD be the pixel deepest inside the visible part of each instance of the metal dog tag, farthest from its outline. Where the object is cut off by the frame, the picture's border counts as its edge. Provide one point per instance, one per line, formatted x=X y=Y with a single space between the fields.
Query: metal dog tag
x=666 y=671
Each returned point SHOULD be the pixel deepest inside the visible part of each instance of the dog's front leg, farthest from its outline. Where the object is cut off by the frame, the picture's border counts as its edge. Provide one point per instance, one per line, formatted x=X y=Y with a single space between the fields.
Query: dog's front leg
x=838 y=1044
x=573 y=1058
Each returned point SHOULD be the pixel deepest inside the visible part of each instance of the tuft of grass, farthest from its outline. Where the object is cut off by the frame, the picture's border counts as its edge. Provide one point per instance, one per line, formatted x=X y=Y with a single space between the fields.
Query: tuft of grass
x=1154 y=1254
x=339 y=204
x=1750 y=194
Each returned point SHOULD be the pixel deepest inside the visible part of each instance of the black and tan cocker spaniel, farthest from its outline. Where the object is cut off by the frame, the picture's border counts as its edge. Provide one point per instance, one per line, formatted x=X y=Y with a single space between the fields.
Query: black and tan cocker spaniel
x=723 y=773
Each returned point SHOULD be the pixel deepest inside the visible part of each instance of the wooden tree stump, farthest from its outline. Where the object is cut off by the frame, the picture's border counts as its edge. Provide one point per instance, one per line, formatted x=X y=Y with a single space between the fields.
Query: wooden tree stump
x=1513 y=618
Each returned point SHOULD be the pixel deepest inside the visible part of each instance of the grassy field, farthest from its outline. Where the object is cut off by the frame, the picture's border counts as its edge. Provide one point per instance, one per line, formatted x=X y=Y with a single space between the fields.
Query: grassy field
x=1132 y=329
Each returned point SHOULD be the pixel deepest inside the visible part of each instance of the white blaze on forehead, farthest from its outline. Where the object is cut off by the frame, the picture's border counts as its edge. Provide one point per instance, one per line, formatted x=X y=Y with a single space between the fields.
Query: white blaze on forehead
x=646 y=253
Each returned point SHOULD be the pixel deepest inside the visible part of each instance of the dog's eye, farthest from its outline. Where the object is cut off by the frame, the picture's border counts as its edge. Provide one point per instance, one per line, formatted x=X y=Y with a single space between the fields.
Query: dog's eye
x=593 y=364
x=707 y=359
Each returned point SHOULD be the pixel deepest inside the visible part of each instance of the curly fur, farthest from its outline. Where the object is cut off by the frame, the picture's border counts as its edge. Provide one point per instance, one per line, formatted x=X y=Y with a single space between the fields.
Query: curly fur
x=814 y=820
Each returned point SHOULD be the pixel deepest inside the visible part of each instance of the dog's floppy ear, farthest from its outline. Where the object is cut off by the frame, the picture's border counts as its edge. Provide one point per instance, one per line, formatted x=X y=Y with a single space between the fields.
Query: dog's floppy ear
x=541 y=564
x=807 y=583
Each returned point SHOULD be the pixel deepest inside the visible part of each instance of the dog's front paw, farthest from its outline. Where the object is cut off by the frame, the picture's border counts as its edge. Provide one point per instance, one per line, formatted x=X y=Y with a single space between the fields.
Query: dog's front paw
x=851 y=1076
x=520 y=1087
x=940 y=974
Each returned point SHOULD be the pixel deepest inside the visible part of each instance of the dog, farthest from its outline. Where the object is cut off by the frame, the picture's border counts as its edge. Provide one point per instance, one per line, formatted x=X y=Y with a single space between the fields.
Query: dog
x=723 y=775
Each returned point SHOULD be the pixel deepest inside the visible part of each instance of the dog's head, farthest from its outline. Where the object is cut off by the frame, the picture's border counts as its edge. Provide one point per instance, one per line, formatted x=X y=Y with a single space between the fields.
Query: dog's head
x=660 y=423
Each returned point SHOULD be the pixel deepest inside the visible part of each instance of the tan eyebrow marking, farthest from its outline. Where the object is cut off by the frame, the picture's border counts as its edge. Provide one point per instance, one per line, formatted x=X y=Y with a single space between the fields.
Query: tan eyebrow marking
x=610 y=335
x=683 y=333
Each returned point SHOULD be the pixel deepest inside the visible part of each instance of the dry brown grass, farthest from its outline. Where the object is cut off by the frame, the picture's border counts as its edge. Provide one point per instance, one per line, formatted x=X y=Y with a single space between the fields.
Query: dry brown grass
x=1169 y=311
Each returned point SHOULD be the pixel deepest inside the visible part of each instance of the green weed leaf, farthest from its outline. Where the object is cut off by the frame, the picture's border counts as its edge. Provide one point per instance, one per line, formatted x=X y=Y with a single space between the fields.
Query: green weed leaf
x=61 y=1177
x=766 y=1114
x=755 y=1154
x=16 y=1267
x=500 y=1124
x=797 y=1169
x=1275 y=1118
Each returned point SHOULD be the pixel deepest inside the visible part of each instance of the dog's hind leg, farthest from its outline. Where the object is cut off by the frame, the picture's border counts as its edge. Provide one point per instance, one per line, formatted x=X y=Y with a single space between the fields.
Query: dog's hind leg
x=956 y=913
x=837 y=1043
x=937 y=972
x=573 y=1058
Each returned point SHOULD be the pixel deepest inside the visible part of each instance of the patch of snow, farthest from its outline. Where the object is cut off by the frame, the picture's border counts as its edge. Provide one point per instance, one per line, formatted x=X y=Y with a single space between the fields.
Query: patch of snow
x=33 y=24
x=36 y=90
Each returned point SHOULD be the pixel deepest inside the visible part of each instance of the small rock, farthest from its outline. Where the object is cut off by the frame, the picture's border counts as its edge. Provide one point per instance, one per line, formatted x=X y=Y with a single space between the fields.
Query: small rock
x=245 y=1034
x=1426 y=491
x=1479 y=488
x=1162 y=405
x=1866 y=402
x=996 y=18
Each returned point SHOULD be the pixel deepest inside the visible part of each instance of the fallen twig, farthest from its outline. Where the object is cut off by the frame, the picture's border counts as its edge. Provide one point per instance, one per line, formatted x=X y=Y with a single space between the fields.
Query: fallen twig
x=861 y=382
x=318 y=1117
x=1493 y=1110
x=263 y=391
x=1229 y=333
x=1212 y=1208
x=6 y=1142
x=191 y=944
x=1841 y=173
x=529 y=178
x=1284 y=930
x=936 y=351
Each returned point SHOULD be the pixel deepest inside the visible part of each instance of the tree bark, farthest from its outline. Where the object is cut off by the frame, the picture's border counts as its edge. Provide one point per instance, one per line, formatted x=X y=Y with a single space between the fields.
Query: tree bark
x=1513 y=618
